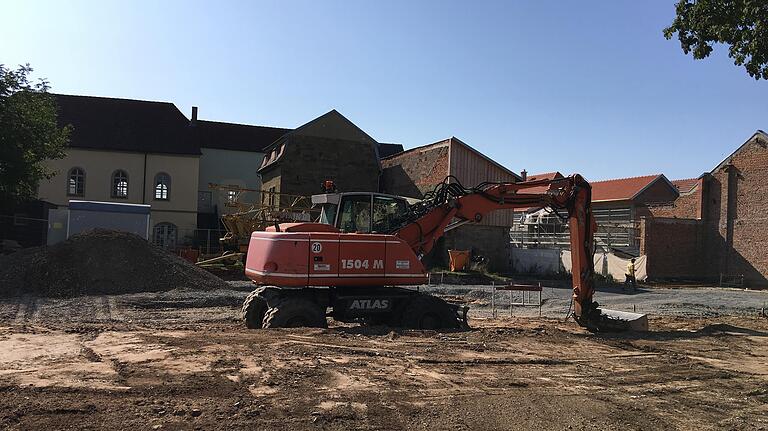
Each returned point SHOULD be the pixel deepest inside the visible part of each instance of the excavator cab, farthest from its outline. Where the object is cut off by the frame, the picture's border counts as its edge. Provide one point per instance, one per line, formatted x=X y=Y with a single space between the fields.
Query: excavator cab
x=361 y=212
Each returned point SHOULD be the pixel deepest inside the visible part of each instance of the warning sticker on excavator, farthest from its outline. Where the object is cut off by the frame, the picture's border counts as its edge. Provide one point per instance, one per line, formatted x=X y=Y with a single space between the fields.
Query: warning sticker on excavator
x=403 y=264
x=322 y=267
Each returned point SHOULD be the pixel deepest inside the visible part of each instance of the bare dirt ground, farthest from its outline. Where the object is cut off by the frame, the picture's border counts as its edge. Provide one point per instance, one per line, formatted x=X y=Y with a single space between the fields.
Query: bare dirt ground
x=181 y=360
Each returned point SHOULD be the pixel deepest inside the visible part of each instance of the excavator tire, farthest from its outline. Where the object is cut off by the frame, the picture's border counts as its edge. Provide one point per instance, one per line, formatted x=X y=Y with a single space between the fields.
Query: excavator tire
x=255 y=306
x=428 y=312
x=294 y=312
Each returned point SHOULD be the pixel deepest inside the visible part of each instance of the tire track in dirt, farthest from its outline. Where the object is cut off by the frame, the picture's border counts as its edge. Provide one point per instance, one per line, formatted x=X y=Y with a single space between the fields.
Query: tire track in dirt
x=27 y=312
x=37 y=310
x=21 y=312
x=112 y=310
x=37 y=307
x=101 y=309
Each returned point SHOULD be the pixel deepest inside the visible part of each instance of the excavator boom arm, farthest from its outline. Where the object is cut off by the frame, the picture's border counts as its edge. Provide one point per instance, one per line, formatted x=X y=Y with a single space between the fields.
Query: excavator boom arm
x=572 y=194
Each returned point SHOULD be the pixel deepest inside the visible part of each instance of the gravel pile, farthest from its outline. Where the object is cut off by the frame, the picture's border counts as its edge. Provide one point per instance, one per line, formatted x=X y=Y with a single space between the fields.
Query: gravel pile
x=99 y=262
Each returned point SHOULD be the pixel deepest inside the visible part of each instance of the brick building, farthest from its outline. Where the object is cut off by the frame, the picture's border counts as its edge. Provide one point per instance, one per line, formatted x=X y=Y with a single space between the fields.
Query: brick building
x=688 y=204
x=736 y=196
x=418 y=170
x=329 y=147
x=618 y=206
x=716 y=227
x=632 y=197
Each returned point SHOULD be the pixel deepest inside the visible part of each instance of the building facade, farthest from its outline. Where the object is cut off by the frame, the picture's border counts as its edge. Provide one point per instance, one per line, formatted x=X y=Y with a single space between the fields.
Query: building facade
x=415 y=172
x=329 y=147
x=231 y=155
x=736 y=204
x=128 y=151
x=617 y=204
x=190 y=171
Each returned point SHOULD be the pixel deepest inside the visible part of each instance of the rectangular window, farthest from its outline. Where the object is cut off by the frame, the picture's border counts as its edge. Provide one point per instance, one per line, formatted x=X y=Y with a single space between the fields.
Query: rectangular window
x=355 y=214
x=76 y=182
x=272 y=199
x=387 y=213
x=20 y=220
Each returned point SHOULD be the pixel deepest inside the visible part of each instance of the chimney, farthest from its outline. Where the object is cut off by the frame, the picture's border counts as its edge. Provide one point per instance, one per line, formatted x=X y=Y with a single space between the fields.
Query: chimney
x=194 y=115
x=524 y=174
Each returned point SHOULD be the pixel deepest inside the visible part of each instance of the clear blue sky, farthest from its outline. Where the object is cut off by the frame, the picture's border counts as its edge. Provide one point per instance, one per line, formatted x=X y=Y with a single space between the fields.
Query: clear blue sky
x=590 y=87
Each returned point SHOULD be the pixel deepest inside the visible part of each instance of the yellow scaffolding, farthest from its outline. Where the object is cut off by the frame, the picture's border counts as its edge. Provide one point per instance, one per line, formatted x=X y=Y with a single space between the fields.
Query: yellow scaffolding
x=273 y=208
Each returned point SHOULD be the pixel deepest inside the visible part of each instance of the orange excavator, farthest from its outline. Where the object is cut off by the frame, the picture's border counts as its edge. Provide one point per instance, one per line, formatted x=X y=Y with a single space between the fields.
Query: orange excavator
x=360 y=257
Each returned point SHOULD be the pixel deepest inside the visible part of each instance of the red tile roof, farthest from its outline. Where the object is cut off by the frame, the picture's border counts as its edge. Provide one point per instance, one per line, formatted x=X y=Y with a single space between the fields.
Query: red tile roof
x=620 y=189
x=684 y=186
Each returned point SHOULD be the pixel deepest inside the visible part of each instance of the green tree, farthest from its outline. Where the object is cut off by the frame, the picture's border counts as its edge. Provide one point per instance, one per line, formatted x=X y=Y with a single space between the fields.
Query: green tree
x=742 y=24
x=29 y=134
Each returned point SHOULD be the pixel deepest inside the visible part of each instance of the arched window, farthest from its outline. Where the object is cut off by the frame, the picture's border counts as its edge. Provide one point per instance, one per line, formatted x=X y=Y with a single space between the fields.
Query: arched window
x=120 y=184
x=164 y=235
x=76 y=182
x=162 y=186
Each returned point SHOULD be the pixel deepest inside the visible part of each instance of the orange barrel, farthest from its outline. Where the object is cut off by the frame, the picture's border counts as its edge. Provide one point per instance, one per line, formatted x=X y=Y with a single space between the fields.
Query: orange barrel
x=458 y=259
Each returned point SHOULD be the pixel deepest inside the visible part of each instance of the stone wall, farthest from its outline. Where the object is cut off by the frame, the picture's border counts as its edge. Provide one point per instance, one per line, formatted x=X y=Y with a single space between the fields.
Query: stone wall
x=309 y=160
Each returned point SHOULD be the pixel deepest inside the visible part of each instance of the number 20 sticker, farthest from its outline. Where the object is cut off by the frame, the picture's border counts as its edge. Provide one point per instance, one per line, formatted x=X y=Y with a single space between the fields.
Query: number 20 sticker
x=317 y=247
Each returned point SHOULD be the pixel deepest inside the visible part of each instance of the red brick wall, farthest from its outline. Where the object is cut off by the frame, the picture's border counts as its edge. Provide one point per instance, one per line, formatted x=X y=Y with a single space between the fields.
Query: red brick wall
x=418 y=171
x=672 y=246
x=687 y=205
x=415 y=172
x=737 y=212
x=731 y=236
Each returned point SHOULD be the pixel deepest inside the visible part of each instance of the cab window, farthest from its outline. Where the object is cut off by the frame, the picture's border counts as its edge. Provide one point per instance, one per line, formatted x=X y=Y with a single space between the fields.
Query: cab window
x=328 y=214
x=387 y=212
x=355 y=214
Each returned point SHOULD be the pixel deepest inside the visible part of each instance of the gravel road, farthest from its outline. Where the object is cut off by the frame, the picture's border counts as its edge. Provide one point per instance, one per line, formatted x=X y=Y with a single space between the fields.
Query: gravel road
x=656 y=301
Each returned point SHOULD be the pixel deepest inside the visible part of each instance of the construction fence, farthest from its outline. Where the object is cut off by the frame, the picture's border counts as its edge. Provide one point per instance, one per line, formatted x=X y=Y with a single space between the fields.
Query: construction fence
x=550 y=262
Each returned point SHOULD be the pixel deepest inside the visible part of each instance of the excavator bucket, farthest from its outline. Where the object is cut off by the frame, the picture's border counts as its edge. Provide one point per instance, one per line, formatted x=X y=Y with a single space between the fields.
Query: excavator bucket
x=614 y=320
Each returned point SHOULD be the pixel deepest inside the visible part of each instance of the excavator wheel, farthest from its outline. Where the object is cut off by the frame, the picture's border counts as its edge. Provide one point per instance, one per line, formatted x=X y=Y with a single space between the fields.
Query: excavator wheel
x=255 y=306
x=294 y=312
x=429 y=312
